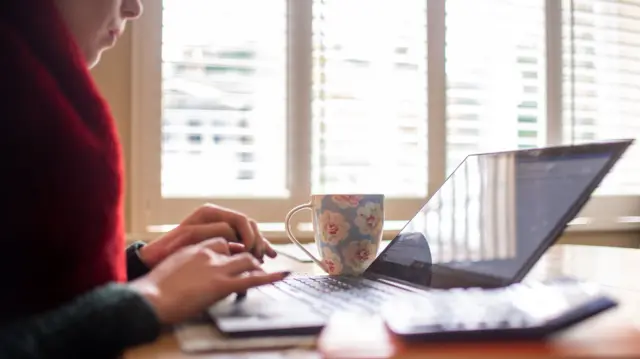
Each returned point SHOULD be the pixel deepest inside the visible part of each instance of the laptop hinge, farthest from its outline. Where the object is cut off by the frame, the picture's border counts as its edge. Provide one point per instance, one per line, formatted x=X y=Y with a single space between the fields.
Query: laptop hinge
x=395 y=282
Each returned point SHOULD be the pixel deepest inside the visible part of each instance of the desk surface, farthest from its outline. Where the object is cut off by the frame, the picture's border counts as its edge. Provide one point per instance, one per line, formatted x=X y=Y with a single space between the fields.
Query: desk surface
x=613 y=333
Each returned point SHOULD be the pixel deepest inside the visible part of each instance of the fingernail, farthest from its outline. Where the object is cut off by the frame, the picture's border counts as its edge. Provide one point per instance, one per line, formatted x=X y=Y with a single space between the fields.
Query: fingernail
x=285 y=274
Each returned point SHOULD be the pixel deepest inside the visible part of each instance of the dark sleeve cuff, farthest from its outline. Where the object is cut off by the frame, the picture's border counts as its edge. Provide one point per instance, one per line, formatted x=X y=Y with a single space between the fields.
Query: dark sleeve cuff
x=135 y=267
x=139 y=323
x=99 y=324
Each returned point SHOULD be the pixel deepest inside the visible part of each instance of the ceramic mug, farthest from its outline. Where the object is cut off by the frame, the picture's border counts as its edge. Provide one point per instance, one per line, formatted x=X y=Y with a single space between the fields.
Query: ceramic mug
x=347 y=230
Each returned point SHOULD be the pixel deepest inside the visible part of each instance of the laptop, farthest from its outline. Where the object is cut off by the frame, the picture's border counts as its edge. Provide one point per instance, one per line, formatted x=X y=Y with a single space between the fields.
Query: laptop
x=486 y=227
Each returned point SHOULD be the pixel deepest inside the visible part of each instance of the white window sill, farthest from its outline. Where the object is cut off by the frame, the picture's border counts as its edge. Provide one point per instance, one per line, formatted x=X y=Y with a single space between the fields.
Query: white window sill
x=276 y=230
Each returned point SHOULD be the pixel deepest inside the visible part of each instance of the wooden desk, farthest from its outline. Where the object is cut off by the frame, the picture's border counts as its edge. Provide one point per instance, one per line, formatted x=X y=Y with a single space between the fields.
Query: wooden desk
x=615 y=333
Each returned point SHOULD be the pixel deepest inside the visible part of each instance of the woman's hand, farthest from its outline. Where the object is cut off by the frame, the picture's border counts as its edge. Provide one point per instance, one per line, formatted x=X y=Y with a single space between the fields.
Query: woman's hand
x=209 y=221
x=197 y=276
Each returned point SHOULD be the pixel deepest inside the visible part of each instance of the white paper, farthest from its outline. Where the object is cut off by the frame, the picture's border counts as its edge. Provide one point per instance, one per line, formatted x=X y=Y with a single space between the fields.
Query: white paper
x=198 y=338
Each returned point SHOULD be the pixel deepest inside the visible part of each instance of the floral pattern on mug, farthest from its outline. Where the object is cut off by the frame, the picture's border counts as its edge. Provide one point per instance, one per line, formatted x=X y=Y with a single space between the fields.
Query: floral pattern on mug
x=331 y=261
x=347 y=201
x=369 y=219
x=360 y=253
x=334 y=227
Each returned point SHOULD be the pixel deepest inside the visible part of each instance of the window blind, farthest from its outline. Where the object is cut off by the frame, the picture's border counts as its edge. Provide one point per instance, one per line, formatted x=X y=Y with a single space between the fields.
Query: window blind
x=601 y=82
x=370 y=97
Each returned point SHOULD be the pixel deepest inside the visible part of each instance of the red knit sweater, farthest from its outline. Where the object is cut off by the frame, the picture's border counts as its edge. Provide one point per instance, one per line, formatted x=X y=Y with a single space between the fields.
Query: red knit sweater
x=61 y=228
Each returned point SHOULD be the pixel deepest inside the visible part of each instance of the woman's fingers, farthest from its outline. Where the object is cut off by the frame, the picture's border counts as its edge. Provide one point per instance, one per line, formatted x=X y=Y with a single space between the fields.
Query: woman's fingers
x=218 y=245
x=193 y=278
x=208 y=213
x=236 y=248
x=196 y=233
x=259 y=246
x=269 y=251
x=242 y=224
x=239 y=222
x=221 y=246
x=241 y=263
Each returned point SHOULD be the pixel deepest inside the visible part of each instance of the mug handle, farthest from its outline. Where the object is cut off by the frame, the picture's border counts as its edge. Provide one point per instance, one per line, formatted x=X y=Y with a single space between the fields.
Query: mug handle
x=292 y=238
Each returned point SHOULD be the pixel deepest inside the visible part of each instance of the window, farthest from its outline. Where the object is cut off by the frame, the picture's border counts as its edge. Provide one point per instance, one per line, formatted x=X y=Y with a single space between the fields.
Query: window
x=195 y=138
x=527 y=119
x=527 y=134
x=528 y=104
x=266 y=101
x=369 y=97
x=245 y=156
x=238 y=62
x=602 y=85
x=499 y=95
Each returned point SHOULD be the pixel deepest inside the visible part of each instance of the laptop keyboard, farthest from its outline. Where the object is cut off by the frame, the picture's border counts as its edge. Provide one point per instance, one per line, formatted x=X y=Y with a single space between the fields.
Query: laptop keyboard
x=328 y=294
x=302 y=305
x=442 y=313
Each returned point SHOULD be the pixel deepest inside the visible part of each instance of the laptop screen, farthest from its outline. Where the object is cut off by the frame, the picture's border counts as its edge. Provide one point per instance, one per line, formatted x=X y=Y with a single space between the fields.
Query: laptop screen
x=495 y=215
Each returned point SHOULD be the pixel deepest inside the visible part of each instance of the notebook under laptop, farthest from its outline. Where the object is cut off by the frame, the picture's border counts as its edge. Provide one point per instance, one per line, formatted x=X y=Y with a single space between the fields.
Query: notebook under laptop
x=486 y=226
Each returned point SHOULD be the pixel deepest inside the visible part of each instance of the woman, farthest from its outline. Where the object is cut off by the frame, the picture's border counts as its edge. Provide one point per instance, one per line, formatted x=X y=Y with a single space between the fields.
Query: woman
x=65 y=269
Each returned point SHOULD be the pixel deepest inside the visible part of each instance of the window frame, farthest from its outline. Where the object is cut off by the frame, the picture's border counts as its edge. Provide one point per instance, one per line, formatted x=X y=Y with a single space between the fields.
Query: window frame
x=149 y=209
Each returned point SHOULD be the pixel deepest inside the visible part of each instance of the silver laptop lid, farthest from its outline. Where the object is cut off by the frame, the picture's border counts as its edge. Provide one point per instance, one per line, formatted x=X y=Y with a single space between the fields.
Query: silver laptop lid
x=496 y=215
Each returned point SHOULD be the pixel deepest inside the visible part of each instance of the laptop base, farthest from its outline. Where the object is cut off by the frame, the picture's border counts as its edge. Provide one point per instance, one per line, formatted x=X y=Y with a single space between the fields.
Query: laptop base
x=260 y=315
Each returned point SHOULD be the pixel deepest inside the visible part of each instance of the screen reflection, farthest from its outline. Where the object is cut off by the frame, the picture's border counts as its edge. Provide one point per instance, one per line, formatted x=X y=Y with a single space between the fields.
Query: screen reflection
x=489 y=218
